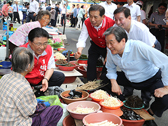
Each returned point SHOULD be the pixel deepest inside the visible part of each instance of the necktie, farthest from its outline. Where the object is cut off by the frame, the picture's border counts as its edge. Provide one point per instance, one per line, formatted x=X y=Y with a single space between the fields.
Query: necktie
x=17 y=8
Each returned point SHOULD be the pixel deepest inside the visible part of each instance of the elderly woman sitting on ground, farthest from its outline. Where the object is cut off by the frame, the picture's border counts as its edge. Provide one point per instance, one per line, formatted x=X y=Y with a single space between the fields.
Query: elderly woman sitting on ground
x=19 y=36
x=17 y=100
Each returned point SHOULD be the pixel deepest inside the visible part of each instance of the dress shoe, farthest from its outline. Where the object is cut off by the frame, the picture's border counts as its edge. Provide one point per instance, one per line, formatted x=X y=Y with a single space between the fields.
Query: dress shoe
x=150 y=123
x=146 y=104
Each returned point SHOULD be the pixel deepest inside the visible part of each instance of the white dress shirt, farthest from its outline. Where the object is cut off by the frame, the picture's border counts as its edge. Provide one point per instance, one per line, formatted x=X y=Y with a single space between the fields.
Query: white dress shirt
x=143 y=15
x=34 y=6
x=109 y=9
x=139 y=62
x=84 y=35
x=63 y=10
x=139 y=31
x=134 y=10
x=15 y=8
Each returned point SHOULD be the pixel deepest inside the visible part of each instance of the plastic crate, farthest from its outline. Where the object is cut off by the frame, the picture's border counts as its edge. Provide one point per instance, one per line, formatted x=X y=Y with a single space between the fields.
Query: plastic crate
x=4 y=27
x=5 y=65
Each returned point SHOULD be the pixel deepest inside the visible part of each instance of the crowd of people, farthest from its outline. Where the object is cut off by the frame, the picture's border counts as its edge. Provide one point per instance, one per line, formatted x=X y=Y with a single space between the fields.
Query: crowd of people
x=31 y=9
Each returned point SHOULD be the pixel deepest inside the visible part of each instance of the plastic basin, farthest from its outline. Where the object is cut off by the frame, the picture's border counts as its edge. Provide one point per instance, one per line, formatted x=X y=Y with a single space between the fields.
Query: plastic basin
x=88 y=104
x=68 y=100
x=69 y=80
x=68 y=121
x=82 y=61
x=66 y=68
x=99 y=117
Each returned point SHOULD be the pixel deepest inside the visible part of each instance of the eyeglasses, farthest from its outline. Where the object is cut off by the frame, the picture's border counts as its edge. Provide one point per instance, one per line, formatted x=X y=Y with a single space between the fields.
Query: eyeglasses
x=162 y=8
x=40 y=44
x=46 y=19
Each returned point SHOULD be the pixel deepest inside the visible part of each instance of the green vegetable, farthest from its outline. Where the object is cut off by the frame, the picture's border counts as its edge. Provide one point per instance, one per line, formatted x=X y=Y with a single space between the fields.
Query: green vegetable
x=50 y=41
x=83 y=56
x=57 y=44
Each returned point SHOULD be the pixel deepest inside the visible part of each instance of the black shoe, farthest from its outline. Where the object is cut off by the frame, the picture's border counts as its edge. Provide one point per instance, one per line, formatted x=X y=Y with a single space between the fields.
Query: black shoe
x=146 y=104
x=150 y=123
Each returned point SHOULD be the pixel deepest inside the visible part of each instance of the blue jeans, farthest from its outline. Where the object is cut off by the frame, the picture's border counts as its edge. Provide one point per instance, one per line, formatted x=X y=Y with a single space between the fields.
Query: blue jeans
x=30 y=17
x=24 y=17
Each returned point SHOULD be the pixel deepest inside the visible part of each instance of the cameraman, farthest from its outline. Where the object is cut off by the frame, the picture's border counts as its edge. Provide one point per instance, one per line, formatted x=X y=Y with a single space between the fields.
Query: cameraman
x=158 y=25
x=24 y=11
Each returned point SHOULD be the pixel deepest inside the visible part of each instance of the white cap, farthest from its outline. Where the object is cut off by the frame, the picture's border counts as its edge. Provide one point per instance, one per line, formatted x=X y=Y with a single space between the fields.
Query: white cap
x=52 y=6
x=139 y=3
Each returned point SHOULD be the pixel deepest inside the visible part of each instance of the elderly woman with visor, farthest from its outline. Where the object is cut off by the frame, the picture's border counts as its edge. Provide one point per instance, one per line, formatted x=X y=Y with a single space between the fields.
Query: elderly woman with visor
x=20 y=35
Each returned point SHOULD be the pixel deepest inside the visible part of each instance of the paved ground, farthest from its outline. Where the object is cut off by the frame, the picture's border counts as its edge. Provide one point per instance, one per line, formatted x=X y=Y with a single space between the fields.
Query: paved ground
x=72 y=37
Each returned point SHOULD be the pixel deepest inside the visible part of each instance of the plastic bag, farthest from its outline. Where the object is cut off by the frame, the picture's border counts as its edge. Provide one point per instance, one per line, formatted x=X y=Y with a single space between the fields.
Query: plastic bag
x=65 y=113
x=52 y=99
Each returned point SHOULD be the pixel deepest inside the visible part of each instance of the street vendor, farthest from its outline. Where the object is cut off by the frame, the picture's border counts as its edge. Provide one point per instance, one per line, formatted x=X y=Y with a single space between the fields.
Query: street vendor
x=18 y=103
x=43 y=72
x=140 y=68
x=18 y=38
x=94 y=27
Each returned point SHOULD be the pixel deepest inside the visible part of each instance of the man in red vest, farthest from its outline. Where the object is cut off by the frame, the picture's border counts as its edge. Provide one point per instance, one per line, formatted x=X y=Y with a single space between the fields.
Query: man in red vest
x=44 y=64
x=94 y=26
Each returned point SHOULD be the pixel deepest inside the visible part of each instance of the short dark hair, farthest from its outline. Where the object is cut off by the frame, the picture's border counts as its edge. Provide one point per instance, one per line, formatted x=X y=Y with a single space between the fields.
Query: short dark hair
x=163 y=4
x=21 y=58
x=37 y=32
x=82 y=6
x=118 y=32
x=73 y=5
x=125 y=10
x=10 y=3
x=97 y=8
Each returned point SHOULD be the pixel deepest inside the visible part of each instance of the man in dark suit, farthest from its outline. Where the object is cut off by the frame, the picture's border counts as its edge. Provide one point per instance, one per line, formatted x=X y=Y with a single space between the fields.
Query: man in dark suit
x=49 y=7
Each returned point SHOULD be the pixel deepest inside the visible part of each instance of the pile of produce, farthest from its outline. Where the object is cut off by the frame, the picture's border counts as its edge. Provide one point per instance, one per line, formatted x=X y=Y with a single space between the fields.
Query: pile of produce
x=103 y=123
x=83 y=110
x=111 y=102
x=55 y=44
x=134 y=102
x=129 y=114
x=83 y=56
x=74 y=94
x=61 y=61
x=70 y=65
x=90 y=85
x=100 y=94
x=59 y=55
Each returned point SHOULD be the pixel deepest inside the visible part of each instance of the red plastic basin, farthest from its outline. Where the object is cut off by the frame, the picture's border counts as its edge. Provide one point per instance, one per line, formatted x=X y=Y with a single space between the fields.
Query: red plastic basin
x=66 y=68
x=82 y=61
x=68 y=121
x=69 y=80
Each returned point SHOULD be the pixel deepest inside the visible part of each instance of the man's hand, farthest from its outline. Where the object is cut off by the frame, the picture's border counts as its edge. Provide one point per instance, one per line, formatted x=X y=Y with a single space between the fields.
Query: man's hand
x=44 y=85
x=77 y=55
x=79 y=52
x=115 y=87
x=160 y=92
x=34 y=14
x=156 y=26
